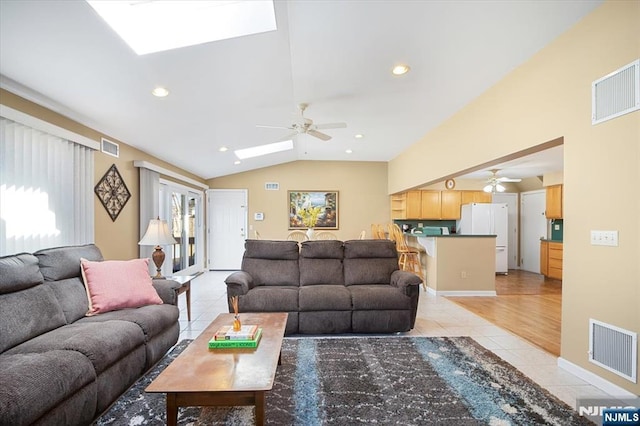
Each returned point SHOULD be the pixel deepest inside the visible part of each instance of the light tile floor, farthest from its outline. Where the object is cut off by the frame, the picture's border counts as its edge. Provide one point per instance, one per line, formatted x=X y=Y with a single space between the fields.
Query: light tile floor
x=437 y=316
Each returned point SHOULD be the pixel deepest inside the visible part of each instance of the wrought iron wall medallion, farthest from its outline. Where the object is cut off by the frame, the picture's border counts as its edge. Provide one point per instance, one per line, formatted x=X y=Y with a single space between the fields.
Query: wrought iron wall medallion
x=112 y=192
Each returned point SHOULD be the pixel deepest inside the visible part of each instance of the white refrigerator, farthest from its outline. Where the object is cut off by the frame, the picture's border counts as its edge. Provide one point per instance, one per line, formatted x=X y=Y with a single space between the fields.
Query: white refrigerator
x=488 y=219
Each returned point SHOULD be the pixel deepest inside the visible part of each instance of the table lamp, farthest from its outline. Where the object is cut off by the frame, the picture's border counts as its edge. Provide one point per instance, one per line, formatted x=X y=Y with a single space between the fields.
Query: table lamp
x=157 y=235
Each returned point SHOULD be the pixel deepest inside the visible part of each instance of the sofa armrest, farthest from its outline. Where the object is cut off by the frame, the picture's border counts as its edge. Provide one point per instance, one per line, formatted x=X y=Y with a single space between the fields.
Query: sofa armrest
x=238 y=283
x=403 y=279
x=167 y=290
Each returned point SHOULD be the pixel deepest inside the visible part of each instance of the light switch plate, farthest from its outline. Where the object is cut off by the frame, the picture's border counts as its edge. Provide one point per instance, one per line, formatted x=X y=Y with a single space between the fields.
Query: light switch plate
x=604 y=238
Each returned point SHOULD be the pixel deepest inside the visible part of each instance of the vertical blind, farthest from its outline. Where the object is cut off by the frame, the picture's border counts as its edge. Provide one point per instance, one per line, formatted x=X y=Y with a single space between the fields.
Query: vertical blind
x=46 y=190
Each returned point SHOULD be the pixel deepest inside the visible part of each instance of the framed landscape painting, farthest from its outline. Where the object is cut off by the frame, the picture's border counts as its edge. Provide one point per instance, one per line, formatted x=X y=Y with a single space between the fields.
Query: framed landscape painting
x=313 y=209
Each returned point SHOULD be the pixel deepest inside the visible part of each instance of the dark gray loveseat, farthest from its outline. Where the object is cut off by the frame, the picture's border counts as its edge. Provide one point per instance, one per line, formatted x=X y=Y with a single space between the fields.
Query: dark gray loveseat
x=327 y=286
x=57 y=366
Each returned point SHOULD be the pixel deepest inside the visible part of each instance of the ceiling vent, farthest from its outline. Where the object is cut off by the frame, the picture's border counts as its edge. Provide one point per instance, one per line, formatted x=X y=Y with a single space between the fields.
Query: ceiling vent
x=110 y=148
x=271 y=186
x=616 y=94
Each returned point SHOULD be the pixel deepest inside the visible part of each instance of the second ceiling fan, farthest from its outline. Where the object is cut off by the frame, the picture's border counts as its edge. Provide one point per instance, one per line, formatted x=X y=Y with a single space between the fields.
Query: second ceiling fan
x=306 y=125
x=494 y=183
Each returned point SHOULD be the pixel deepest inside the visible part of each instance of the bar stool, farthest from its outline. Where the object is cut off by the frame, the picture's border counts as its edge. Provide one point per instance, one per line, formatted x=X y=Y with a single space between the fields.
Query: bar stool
x=408 y=257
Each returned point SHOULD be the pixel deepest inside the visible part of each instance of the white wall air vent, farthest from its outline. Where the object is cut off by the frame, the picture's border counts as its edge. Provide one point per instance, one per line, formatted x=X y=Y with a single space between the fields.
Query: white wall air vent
x=616 y=94
x=614 y=349
x=271 y=186
x=110 y=148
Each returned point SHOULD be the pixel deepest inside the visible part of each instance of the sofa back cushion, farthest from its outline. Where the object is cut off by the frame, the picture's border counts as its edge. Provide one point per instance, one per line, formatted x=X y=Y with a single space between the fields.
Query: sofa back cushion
x=369 y=261
x=321 y=262
x=28 y=307
x=272 y=262
x=60 y=267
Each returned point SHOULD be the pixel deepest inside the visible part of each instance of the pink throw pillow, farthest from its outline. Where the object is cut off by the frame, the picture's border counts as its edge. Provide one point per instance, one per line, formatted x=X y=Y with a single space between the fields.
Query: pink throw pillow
x=118 y=284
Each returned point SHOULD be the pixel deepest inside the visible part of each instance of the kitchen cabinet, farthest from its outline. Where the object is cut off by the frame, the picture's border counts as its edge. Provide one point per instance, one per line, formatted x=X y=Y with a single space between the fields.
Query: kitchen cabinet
x=399 y=206
x=414 y=207
x=430 y=205
x=469 y=197
x=554 y=202
x=551 y=254
x=450 y=202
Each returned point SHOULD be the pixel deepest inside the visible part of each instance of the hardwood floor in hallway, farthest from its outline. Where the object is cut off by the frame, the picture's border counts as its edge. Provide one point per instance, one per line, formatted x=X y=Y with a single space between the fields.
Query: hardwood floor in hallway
x=526 y=304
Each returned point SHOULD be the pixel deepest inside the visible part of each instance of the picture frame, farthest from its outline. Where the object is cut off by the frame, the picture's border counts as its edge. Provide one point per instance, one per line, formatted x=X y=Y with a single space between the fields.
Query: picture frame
x=313 y=209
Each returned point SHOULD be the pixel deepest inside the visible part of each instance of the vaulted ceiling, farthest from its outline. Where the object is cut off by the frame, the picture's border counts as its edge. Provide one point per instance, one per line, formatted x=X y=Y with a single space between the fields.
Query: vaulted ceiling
x=335 y=55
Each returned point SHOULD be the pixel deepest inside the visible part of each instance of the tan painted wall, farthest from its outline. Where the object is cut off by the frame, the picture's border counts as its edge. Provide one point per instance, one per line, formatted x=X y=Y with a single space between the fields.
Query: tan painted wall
x=549 y=97
x=362 y=197
x=119 y=239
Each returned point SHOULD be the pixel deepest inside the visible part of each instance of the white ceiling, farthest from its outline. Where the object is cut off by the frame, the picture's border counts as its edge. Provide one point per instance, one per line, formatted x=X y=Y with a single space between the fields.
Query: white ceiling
x=334 y=55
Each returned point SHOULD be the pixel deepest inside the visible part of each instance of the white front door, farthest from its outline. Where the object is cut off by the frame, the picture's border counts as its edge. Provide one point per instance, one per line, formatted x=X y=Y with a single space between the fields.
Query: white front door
x=534 y=227
x=512 y=238
x=227 y=227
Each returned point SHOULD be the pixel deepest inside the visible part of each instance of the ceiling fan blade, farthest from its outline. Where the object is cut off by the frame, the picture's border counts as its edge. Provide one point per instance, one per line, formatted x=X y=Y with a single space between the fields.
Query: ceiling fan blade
x=506 y=179
x=272 y=127
x=331 y=126
x=318 y=135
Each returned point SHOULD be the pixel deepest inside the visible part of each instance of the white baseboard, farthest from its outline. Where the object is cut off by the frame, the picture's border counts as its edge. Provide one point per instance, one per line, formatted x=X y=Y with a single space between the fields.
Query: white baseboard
x=594 y=379
x=460 y=293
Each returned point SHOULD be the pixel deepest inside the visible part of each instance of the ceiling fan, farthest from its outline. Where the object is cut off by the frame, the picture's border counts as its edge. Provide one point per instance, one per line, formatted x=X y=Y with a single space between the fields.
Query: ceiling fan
x=494 y=183
x=305 y=125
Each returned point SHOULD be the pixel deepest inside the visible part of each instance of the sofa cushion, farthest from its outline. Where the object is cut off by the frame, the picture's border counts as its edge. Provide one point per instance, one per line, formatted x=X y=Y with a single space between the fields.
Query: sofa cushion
x=369 y=261
x=321 y=263
x=34 y=383
x=377 y=297
x=64 y=262
x=19 y=272
x=272 y=263
x=72 y=297
x=152 y=319
x=28 y=313
x=118 y=284
x=270 y=299
x=324 y=298
x=103 y=343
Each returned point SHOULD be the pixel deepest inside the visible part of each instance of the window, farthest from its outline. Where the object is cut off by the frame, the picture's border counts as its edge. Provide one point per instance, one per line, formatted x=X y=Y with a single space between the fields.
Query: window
x=46 y=189
x=182 y=206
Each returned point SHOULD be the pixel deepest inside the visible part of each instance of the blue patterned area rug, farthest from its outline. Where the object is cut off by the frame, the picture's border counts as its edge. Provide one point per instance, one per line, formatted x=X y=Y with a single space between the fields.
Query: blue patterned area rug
x=362 y=380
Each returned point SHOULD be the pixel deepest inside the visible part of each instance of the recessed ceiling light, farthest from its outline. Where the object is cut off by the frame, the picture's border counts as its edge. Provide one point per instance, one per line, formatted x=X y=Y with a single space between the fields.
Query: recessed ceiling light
x=348 y=151
x=259 y=150
x=223 y=149
x=237 y=162
x=154 y=26
x=359 y=136
x=160 y=92
x=400 y=69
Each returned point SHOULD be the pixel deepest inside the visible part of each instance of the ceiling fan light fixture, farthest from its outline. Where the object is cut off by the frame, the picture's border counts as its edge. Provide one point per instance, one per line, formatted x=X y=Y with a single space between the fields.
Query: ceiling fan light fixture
x=401 y=69
x=500 y=188
x=488 y=188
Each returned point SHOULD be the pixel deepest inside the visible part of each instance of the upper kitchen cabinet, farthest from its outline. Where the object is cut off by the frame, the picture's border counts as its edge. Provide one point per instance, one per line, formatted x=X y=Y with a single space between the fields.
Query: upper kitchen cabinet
x=406 y=205
x=450 y=202
x=469 y=197
x=430 y=205
x=413 y=205
x=554 y=202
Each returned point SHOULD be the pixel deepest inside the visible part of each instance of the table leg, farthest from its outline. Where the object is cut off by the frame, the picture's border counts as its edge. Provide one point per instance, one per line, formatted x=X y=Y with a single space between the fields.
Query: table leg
x=189 y=302
x=259 y=396
x=172 y=410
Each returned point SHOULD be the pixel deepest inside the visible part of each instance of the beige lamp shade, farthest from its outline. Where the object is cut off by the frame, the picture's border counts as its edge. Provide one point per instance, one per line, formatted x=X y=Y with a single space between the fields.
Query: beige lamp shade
x=157 y=235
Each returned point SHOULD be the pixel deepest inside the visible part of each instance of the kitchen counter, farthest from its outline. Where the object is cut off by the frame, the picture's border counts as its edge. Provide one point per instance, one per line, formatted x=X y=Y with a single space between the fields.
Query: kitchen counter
x=458 y=265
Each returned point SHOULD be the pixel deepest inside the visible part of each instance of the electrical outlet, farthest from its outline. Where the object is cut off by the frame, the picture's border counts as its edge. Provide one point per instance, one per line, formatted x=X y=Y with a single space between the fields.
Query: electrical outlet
x=556 y=227
x=604 y=238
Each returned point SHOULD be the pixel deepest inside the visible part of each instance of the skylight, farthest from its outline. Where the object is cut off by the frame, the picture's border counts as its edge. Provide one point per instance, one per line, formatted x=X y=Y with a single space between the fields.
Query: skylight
x=259 y=150
x=157 y=25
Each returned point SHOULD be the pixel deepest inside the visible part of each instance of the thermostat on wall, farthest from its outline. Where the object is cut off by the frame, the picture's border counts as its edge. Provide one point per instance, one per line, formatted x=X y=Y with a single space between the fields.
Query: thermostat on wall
x=258 y=216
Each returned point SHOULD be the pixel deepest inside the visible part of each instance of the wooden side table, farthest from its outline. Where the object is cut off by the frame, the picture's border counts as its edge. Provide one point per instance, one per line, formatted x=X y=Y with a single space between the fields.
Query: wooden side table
x=185 y=287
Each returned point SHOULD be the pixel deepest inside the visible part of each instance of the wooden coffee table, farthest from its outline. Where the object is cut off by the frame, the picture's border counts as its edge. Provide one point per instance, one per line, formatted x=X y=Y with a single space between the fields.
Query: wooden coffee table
x=200 y=376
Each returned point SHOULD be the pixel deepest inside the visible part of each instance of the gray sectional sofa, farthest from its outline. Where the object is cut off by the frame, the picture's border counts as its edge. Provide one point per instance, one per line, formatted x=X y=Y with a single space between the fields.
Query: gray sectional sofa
x=327 y=286
x=57 y=366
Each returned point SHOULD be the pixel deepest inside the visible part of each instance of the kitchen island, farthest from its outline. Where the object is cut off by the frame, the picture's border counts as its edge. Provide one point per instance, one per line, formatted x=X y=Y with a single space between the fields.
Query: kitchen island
x=460 y=265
